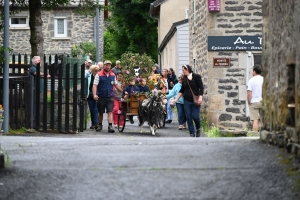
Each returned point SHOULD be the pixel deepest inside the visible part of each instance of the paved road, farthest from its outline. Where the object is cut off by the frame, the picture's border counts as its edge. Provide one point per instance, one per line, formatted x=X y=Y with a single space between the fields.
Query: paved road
x=135 y=165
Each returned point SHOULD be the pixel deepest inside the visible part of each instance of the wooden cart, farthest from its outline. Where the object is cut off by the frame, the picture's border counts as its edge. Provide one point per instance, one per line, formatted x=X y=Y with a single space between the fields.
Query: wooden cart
x=132 y=108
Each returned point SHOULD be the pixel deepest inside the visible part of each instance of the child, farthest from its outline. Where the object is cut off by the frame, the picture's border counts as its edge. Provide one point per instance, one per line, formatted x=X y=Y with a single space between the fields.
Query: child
x=143 y=87
x=117 y=100
x=130 y=89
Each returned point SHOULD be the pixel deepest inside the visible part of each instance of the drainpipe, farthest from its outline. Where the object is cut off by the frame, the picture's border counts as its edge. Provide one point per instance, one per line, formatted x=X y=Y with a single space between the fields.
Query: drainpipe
x=97 y=34
x=6 y=68
x=151 y=10
x=159 y=59
x=248 y=56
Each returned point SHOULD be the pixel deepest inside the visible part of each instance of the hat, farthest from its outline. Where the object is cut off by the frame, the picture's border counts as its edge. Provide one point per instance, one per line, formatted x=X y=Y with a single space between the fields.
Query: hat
x=89 y=61
x=107 y=62
x=118 y=62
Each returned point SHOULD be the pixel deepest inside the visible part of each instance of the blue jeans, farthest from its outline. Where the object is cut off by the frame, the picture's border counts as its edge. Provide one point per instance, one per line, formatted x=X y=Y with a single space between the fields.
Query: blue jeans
x=192 y=114
x=93 y=110
x=169 y=111
x=181 y=113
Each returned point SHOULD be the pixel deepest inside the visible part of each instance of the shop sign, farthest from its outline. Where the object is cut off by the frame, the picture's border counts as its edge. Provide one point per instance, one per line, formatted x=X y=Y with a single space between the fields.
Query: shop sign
x=214 y=5
x=234 y=43
x=221 y=62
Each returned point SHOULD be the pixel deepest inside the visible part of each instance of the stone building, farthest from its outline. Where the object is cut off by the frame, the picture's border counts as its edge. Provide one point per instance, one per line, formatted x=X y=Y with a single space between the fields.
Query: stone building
x=281 y=61
x=225 y=43
x=62 y=28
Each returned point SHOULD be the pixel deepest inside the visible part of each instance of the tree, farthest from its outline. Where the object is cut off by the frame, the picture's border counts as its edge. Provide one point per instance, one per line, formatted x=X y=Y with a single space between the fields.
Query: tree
x=131 y=29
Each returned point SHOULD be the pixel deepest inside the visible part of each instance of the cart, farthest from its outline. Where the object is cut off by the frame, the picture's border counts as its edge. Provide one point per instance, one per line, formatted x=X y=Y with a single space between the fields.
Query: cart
x=133 y=107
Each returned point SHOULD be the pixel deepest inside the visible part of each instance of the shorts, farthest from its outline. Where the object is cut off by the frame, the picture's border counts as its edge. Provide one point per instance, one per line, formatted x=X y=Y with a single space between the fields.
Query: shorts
x=254 y=110
x=105 y=103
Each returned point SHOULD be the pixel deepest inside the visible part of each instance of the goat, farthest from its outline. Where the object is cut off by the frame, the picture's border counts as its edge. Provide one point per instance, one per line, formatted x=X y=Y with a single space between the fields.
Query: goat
x=152 y=110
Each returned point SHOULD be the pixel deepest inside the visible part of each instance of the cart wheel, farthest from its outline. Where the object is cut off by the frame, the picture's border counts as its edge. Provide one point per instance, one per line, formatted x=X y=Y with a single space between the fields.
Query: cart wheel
x=121 y=120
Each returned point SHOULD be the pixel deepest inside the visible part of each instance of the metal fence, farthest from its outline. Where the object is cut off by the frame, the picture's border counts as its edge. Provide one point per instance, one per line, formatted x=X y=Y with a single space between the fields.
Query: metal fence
x=55 y=104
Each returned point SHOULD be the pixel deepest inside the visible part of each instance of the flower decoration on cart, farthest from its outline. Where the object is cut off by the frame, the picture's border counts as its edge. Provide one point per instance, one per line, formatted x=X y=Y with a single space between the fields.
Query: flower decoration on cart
x=137 y=65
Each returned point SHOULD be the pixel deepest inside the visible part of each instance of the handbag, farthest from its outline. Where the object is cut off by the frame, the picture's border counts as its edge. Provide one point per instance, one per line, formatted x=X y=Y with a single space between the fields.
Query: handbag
x=195 y=98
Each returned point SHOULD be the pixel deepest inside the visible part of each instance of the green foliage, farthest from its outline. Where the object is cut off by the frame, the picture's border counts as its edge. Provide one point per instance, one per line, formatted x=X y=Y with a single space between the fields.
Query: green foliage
x=130 y=28
x=131 y=60
x=84 y=48
x=204 y=123
x=214 y=132
x=18 y=131
x=7 y=162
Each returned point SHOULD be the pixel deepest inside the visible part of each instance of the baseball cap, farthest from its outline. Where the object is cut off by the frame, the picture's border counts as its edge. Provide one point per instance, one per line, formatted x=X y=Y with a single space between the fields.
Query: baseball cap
x=118 y=62
x=107 y=62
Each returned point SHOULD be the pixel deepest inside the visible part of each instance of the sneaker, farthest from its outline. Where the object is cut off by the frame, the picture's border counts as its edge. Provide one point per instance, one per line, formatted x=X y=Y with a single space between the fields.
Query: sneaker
x=198 y=133
x=180 y=127
x=93 y=127
x=99 y=128
x=116 y=125
x=192 y=135
x=110 y=129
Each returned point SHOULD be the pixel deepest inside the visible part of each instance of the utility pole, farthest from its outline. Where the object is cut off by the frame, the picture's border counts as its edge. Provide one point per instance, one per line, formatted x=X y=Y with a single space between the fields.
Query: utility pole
x=6 y=68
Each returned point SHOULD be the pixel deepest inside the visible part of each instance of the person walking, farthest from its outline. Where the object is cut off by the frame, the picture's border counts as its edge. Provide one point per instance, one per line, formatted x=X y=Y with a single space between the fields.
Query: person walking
x=100 y=65
x=32 y=71
x=117 y=69
x=169 y=110
x=191 y=84
x=254 y=96
x=179 y=104
x=117 y=101
x=94 y=69
x=103 y=93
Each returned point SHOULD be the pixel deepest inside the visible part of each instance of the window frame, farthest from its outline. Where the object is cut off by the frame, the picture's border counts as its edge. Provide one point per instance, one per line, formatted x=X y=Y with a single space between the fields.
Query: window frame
x=26 y=25
x=65 y=35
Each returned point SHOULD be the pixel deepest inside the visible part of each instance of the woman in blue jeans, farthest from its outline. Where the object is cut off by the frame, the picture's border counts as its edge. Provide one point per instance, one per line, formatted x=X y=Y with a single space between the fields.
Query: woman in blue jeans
x=90 y=99
x=191 y=81
x=179 y=104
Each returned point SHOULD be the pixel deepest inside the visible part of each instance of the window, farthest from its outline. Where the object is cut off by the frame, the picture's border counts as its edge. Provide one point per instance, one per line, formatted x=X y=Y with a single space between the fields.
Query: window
x=60 y=27
x=18 y=22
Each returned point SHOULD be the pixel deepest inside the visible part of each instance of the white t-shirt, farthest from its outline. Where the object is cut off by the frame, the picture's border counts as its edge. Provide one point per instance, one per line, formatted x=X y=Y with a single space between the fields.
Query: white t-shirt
x=255 y=85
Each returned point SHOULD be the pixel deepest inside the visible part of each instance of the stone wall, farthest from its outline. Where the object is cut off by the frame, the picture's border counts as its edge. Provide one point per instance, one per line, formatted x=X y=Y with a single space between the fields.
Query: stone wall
x=80 y=29
x=281 y=58
x=225 y=91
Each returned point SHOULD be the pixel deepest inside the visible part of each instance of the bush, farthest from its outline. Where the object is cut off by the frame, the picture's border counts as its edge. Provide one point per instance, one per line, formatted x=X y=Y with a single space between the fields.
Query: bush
x=84 y=48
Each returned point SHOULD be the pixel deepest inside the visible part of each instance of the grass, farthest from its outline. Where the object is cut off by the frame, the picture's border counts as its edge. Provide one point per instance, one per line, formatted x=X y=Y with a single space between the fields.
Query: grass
x=7 y=162
x=18 y=131
x=292 y=169
x=213 y=132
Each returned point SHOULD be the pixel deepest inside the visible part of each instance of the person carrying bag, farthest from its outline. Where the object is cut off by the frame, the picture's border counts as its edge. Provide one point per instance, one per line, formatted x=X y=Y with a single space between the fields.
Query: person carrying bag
x=192 y=90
